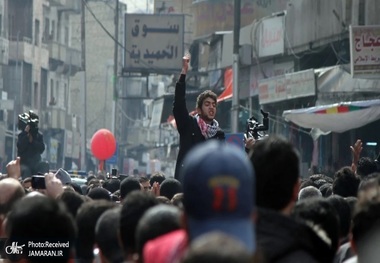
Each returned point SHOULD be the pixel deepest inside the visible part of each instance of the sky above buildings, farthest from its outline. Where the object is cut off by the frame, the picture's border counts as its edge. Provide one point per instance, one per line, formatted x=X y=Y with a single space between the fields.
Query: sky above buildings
x=140 y=6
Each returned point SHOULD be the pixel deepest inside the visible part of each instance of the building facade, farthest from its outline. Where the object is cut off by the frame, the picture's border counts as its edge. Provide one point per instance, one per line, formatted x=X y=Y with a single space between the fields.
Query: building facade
x=37 y=72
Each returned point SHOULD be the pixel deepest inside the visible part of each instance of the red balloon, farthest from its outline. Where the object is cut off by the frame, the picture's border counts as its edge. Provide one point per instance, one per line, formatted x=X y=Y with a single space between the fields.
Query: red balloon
x=103 y=144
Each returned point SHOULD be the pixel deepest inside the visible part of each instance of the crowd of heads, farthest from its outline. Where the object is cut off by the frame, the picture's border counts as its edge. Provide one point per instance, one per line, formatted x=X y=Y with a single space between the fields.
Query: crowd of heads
x=227 y=206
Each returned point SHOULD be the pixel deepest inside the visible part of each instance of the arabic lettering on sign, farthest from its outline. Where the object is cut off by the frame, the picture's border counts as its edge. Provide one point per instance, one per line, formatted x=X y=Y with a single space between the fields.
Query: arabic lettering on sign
x=169 y=52
x=172 y=29
x=154 y=40
x=367 y=58
x=366 y=41
x=271 y=37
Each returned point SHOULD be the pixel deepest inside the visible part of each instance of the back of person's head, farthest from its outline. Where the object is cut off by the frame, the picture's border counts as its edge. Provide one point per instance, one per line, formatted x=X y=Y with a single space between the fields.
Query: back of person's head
x=129 y=185
x=156 y=221
x=72 y=201
x=39 y=218
x=345 y=182
x=326 y=190
x=275 y=183
x=106 y=235
x=87 y=216
x=158 y=177
x=163 y=200
x=323 y=219
x=112 y=185
x=307 y=182
x=217 y=247
x=368 y=178
x=218 y=191
x=366 y=224
x=309 y=192
x=365 y=166
x=89 y=178
x=344 y=213
x=169 y=187
x=77 y=188
x=134 y=207
x=177 y=200
x=99 y=193
x=320 y=179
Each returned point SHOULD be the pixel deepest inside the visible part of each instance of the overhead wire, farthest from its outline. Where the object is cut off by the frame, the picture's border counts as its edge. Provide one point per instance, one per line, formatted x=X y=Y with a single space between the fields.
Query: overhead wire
x=113 y=38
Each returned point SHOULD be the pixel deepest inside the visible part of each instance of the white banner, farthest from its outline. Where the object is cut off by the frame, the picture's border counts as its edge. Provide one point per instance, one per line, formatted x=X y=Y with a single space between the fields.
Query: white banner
x=339 y=117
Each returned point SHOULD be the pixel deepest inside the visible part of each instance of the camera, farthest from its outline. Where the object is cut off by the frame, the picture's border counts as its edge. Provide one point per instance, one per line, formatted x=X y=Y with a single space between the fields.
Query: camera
x=28 y=118
x=38 y=182
x=255 y=129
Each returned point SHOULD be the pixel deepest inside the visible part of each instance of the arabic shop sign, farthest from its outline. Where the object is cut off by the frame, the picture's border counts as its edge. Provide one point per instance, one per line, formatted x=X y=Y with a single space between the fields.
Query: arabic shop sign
x=272 y=37
x=365 y=51
x=289 y=86
x=153 y=42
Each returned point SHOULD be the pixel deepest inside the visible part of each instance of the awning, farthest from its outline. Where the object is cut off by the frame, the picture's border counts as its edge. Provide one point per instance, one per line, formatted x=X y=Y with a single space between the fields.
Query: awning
x=228 y=83
x=339 y=117
x=337 y=81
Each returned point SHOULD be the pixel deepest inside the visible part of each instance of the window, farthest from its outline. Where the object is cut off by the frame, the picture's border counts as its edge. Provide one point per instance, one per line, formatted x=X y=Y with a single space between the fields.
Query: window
x=46 y=30
x=57 y=91
x=52 y=33
x=66 y=93
x=67 y=36
x=37 y=32
x=52 y=93
x=35 y=94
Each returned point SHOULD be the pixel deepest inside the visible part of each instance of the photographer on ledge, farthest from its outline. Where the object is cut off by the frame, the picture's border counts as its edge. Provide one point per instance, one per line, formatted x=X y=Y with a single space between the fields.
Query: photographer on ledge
x=30 y=145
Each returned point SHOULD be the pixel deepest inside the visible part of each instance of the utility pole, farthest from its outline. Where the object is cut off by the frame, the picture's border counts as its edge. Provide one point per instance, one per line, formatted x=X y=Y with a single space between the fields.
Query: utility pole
x=84 y=81
x=16 y=102
x=115 y=68
x=235 y=69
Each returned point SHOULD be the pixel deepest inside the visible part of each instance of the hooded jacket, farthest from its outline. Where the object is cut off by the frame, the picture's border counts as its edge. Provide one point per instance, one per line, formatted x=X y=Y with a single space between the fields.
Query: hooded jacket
x=189 y=132
x=282 y=239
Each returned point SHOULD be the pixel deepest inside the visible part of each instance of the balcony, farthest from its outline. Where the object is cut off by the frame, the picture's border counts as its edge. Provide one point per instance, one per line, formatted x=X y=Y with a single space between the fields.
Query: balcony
x=53 y=118
x=63 y=58
x=74 y=58
x=21 y=49
x=71 y=6
x=57 y=51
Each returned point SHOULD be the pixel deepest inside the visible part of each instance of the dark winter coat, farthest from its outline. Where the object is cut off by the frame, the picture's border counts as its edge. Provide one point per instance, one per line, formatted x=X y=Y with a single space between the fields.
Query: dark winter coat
x=30 y=152
x=281 y=239
x=189 y=132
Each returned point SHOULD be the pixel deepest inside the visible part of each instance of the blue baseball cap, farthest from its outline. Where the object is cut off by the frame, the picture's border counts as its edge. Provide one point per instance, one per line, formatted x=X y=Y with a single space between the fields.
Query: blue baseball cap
x=218 y=187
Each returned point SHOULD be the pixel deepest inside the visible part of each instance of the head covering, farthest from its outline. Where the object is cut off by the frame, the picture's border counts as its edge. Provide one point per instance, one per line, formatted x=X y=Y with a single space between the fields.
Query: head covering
x=218 y=184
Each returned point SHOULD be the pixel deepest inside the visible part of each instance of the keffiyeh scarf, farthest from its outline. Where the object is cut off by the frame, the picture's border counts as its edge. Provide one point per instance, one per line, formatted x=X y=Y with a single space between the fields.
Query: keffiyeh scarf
x=207 y=130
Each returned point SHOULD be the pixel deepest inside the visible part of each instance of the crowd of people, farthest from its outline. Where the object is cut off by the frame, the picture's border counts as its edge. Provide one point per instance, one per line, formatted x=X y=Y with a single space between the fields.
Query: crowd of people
x=223 y=204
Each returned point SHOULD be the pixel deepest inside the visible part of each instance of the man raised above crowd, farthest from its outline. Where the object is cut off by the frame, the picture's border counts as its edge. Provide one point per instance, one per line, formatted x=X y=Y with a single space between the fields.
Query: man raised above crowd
x=194 y=129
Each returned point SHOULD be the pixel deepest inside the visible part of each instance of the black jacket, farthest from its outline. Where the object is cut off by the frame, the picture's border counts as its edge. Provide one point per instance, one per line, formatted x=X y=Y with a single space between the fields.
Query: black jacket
x=189 y=132
x=30 y=152
x=281 y=239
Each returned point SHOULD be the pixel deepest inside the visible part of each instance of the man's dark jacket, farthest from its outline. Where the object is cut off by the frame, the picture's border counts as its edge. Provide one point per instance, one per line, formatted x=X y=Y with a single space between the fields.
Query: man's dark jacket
x=281 y=239
x=30 y=152
x=189 y=132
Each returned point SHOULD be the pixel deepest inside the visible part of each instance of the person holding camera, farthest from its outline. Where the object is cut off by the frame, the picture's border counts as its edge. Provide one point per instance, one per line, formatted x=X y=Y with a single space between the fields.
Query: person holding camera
x=30 y=146
x=194 y=129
